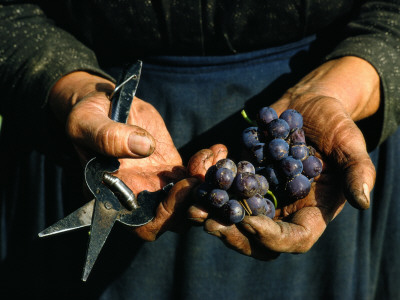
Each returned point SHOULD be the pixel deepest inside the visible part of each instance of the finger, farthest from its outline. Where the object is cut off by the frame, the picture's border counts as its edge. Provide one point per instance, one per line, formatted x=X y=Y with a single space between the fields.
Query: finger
x=220 y=152
x=349 y=149
x=359 y=171
x=359 y=182
x=230 y=235
x=170 y=213
x=239 y=240
x=295 y=236
x=197 y=214
x=89 y=126
x=200 y=162
x=281 y=105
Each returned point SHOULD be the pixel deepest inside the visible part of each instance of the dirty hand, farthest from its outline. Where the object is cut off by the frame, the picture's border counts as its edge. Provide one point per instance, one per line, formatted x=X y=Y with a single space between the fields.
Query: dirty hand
x=330 y=99
x=148 y=157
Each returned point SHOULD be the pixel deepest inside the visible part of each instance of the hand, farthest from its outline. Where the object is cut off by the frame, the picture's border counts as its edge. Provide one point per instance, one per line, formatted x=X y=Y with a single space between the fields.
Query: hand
x=149 y=159
x=330 y=99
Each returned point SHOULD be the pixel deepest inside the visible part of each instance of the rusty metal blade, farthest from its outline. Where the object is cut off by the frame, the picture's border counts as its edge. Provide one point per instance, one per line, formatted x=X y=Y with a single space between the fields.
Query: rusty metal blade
x=81 y=217
x=104 y=217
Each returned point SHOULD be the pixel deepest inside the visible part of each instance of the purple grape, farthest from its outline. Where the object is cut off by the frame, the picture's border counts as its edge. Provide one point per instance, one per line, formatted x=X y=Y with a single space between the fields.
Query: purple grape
x=224 y=178
x=277 y=149
x=210 y=174
x=245 y=166
x=264 y=185
x=250 y=137
x=299 y=151
x=269 y=173
x=298 y=187
x=297 y=136
x=202 y=192
x=312 y=166
x=261 y=206
x=258 y=152
x=290 y=166
x=218 y=197
x=246 y=185
x=266 y=115
x=293 y=118
x=269 y=208
x=221 y=179
x=256 y=204
x=278 y=128
x=227 y=163
x=233 y=211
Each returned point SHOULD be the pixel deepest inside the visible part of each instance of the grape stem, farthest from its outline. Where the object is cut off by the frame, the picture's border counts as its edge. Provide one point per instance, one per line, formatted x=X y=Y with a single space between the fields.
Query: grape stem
x=246 y=207
x=246 y=117
x=273 y=197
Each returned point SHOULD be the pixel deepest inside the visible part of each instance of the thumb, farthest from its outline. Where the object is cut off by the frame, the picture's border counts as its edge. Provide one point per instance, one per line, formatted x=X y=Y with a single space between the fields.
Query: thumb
x=359 y=178
x=170 y=212
x=89 y=125
x=348 y=149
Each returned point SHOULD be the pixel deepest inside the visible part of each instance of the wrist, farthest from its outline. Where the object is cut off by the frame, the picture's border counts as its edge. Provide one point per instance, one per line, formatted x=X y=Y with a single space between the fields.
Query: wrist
x=350 y=80
x=73 y=87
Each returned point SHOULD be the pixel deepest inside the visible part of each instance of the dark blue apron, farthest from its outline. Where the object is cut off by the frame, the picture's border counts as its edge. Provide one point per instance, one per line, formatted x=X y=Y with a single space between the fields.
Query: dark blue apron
x=200 y=99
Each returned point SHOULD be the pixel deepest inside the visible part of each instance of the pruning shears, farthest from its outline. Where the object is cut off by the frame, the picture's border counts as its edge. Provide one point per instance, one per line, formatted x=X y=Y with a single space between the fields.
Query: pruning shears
x=113 y=200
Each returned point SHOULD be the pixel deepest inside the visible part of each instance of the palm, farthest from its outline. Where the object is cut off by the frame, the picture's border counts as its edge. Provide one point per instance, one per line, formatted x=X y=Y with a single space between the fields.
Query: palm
x=326 y=196
x=339 y=142
x=326 y=191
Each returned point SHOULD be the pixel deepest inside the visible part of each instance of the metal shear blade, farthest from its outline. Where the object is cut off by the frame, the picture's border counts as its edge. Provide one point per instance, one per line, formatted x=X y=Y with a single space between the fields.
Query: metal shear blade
x=82 y=217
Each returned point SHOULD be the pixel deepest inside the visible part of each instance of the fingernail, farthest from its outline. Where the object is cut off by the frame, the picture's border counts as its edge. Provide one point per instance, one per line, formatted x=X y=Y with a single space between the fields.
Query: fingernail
x=366 y=192
x=140 y=144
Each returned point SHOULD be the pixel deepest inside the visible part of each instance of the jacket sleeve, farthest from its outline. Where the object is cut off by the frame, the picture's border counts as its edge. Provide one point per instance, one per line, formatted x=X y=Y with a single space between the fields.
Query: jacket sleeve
x=374 y=35
x=34 y=54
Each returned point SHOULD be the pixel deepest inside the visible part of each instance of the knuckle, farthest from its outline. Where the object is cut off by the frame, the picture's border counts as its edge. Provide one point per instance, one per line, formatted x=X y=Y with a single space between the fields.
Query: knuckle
x=104 y=137
x=165 y=211
x=110 y=140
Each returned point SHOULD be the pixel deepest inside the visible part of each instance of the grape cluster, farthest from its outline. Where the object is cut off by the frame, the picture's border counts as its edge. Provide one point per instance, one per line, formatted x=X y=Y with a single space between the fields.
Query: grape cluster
x=233 y=190
x=277 y=147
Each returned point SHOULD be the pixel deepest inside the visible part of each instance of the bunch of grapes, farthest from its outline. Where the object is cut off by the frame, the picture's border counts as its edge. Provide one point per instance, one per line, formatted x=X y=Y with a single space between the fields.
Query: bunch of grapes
x=233 y=190
x=277 y=147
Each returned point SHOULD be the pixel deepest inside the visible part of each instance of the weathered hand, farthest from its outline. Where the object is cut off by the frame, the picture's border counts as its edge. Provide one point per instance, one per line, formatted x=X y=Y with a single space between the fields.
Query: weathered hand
x=148 y=157
x=348 y=172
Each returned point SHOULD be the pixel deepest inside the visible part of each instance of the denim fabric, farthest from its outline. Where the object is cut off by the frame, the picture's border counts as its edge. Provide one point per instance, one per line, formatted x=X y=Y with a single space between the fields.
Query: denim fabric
x=200 y=99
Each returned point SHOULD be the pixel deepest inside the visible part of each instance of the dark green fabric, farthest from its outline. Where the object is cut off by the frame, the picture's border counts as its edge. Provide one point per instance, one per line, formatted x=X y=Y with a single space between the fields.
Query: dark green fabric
x=354 y=259
x=42 y=41
x=375 y=36
x=34 y=54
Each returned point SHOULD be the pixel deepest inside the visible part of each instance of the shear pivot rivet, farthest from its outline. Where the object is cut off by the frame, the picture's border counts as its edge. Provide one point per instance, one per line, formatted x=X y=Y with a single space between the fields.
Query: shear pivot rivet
x=107 y=205
x=121 y=190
